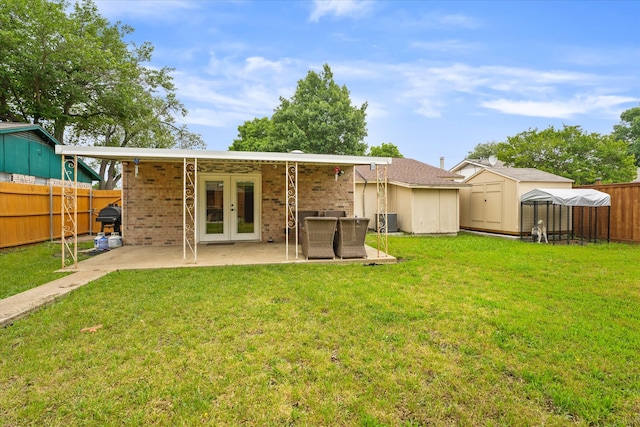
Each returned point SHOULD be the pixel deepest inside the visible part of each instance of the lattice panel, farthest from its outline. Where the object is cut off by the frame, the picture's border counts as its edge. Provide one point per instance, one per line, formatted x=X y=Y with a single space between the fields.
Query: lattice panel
x=69 y=214
x=190 y=247
x=381 y=195
x=292 y=204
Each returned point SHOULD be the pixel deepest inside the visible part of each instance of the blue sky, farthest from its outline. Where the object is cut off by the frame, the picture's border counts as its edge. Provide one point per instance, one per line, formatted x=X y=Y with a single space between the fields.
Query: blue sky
x=439 y=77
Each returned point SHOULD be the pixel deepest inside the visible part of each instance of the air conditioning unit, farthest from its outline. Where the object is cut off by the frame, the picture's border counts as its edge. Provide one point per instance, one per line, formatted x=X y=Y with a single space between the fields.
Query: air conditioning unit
x=392 y=221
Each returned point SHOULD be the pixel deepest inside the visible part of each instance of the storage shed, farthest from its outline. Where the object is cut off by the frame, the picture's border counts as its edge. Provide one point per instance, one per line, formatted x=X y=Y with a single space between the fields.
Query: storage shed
x=491 y=202
x=421 y=199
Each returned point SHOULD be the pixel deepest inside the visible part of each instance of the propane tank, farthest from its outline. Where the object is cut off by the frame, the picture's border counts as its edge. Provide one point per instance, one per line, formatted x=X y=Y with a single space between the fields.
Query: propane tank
x=103 y=243
x=115 y=241
x=96 y=241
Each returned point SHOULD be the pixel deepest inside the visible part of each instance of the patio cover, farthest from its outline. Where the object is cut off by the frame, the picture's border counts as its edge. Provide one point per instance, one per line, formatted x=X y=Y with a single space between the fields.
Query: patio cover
x=566 y=197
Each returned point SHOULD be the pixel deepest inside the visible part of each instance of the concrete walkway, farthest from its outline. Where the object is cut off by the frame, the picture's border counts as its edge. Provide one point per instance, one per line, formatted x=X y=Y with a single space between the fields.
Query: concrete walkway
x=17 y=306
x=147 y=257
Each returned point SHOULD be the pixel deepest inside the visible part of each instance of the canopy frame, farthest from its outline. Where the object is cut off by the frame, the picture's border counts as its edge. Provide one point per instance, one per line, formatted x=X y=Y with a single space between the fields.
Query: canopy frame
x=575 y=202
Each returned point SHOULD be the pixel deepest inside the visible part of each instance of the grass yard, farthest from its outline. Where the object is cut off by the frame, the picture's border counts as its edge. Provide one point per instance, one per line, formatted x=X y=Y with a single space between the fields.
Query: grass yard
x=26 y=267
x=464 y=331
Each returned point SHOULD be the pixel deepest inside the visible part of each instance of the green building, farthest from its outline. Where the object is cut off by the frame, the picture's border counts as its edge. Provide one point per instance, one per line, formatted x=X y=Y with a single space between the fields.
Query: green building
x=27 y=155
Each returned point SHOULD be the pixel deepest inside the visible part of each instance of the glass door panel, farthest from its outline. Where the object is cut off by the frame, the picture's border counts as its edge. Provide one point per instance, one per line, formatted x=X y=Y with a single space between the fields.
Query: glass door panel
x=245 y=207
x=215 y=208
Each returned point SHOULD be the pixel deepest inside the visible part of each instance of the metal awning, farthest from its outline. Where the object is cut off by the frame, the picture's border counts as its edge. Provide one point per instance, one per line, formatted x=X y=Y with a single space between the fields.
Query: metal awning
x=162 y=154
x=190 y=159
x=567 y=197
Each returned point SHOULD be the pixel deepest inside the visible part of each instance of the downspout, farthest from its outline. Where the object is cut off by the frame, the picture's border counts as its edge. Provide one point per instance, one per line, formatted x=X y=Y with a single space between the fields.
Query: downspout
x=364 y=190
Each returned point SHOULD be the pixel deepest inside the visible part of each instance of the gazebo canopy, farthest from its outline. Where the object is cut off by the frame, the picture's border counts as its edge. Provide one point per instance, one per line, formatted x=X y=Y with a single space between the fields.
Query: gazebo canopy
x=567 y=197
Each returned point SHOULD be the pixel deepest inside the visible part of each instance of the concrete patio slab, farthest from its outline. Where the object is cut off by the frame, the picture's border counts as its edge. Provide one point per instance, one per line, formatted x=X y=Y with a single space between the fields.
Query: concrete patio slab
x=144 y=257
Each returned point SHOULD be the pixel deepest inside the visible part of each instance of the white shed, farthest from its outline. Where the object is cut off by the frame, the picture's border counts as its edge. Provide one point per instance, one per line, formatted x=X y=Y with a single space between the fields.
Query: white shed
x=492 y=200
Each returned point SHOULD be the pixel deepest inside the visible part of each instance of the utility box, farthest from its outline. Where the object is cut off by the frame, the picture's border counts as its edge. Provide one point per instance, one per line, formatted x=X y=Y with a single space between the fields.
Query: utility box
x=392 y=221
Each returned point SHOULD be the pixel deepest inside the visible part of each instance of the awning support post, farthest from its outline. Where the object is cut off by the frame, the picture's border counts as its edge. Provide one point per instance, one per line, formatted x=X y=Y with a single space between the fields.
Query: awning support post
x=291 y=205
x=382 y=225
x=69 y=212
x=189 y=211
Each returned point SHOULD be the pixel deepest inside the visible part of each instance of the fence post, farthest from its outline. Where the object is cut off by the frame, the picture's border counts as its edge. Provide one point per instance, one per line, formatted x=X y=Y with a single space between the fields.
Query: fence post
x=90 y=211
x=50 y=211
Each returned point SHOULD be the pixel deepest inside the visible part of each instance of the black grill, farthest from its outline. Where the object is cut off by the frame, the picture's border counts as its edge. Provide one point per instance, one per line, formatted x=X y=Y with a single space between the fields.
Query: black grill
x=111 y=216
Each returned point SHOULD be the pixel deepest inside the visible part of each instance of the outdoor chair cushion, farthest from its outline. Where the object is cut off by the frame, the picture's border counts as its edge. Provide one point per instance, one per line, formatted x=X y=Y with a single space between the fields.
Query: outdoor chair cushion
x=350 y=235
x=317 y=237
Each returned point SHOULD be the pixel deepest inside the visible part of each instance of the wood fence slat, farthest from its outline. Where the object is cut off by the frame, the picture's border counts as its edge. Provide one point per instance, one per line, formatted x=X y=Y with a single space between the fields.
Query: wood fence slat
x=25 y=212
x=625 y=212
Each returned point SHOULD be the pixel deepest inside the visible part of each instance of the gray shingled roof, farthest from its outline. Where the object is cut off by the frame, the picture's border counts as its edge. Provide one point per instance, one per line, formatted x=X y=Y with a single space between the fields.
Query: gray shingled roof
x=15 y=125
x=411 y=172
x=529 y=174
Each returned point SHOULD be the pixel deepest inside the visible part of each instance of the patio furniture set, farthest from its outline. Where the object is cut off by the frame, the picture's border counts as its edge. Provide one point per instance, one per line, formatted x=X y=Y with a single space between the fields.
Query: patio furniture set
x=332 y=234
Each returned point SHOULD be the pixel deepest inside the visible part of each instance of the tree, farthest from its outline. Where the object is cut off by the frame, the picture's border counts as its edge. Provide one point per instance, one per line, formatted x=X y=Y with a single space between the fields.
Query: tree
x=255 y=135
x=318 y=118
x=483 y=151
x=629 y=131
x=74 y=72
x=386 y=149
x=569 y=152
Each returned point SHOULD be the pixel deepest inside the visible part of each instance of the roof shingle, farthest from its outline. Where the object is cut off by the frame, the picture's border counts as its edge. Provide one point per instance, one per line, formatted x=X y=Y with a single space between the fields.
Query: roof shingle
x=412 y=173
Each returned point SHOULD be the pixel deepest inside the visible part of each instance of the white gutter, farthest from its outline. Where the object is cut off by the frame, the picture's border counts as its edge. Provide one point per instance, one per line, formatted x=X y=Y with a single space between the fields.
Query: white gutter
x=159 y=154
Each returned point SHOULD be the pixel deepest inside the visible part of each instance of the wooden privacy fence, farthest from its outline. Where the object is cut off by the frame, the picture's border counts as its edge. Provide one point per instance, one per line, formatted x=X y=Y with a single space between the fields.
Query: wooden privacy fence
x=31 y=213
x=625 y=213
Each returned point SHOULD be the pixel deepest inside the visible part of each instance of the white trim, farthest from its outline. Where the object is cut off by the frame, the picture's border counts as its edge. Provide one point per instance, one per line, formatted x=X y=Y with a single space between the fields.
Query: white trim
x=230 y=220
x=150 y=154
x=453 y=186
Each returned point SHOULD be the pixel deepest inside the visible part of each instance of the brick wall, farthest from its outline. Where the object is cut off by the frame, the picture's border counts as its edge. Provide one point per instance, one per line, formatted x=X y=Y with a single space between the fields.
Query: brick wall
x=152 y=202
x=317 y=190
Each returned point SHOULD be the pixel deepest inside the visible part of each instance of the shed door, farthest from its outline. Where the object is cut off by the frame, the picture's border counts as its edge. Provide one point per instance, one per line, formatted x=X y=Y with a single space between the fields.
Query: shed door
x=486 y=206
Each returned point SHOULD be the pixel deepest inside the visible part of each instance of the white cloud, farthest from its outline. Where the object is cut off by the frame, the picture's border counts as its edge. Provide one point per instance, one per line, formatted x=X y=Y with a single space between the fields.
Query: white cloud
x=213 y=118
x=340 y=8
x=562 y=109
x=458 y=21
x=437 y=21
x=433 y=89
x=239 y=89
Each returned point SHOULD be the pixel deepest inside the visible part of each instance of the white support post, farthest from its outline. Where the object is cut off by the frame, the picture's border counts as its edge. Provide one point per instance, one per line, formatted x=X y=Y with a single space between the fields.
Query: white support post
x=69 y=212
x=189 y=212
x=382 y=225
x=291 y=201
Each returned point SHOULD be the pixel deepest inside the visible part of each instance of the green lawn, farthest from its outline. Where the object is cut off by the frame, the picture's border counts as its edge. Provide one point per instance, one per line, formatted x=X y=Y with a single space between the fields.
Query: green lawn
x=463 y=331
x=26 y=267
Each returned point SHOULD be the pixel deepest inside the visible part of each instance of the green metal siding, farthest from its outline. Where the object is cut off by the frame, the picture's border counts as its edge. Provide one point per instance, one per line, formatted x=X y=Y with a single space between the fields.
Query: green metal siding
x=16 y=154
x=39 y=159
x=32 y=157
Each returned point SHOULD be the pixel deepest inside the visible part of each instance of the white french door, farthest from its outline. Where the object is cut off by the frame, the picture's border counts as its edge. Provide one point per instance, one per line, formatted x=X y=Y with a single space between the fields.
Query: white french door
x=229 y=207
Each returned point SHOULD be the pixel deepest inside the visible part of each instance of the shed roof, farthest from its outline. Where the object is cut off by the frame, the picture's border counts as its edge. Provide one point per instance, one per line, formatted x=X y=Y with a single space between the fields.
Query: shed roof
x=567 y=197
x=169 y=155
x=15 y=127
x=525 y=175
x=413 y=173
x=483 y=163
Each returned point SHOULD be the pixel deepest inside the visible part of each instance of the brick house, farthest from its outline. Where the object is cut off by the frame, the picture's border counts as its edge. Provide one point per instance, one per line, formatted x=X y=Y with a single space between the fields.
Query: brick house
x=170 y=196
